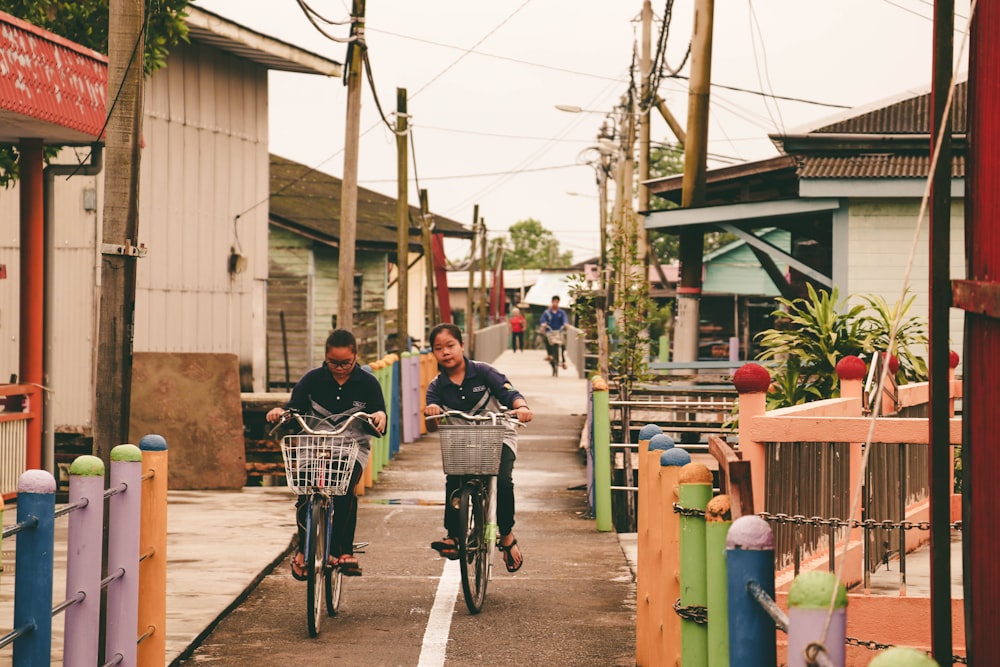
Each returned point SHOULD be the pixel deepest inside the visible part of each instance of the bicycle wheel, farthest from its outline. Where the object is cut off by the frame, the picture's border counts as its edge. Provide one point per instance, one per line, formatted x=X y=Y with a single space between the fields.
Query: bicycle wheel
x=334 y=584
x=474 y=549
x=315 y=554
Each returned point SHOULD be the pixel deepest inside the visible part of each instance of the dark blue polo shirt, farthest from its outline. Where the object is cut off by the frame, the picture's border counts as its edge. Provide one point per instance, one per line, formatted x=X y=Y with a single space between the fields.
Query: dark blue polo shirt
x=484 y=388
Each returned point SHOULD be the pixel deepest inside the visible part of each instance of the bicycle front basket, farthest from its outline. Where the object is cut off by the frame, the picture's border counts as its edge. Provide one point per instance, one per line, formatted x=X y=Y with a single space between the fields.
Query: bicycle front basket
x=319 y=463
x=468 y=449
x=555 y=337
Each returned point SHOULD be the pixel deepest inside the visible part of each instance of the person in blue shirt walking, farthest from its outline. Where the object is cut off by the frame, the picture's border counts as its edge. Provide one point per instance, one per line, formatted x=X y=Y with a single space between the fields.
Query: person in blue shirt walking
x=554 y=319
x=475 y=386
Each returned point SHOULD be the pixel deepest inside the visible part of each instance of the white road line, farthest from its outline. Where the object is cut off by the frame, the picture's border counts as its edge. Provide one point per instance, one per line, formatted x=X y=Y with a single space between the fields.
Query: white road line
x=435 y=645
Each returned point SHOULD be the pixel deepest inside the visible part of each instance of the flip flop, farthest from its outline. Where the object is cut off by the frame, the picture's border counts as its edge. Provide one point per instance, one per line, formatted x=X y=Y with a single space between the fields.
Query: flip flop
x=349 y=568
x=508 y=557
x=298 y=569
x=446 y=548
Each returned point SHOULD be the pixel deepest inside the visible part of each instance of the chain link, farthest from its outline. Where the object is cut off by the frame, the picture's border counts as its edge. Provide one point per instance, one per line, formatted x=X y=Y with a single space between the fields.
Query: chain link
x=875 y=646
x=688 y=511
x=802 y=520
x=692 y=613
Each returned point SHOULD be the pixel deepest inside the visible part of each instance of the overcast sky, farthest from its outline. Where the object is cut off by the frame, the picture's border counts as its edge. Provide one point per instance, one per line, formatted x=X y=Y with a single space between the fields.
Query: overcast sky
x=484 y=78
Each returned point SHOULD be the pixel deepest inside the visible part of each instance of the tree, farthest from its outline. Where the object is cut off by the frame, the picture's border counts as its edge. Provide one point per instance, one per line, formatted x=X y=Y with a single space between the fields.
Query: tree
x=86 y=22
x=532 y=246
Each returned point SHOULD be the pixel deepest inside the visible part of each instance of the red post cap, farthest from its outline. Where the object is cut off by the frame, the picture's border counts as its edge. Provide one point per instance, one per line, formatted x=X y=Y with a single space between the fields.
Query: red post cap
x=952 y=359
x=751 y=379
x=851 y=367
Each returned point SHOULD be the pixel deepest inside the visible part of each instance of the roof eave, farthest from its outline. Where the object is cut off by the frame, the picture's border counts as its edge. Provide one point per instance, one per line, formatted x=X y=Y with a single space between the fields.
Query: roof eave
x=239 y=41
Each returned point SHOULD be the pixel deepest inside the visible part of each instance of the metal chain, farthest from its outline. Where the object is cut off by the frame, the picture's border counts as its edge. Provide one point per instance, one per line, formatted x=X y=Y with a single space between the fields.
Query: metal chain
x=693 y=613
x=688 y=511
x=802 y=520
x=875 y=646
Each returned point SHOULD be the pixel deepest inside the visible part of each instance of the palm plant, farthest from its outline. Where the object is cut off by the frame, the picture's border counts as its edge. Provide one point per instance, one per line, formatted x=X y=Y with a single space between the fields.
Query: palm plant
x=910 y=333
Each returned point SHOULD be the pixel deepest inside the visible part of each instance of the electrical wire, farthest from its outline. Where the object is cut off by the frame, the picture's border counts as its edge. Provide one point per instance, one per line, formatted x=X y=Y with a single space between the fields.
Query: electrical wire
x=762 y=94
x=511 y=172
x=755 y=27
x=316 y=19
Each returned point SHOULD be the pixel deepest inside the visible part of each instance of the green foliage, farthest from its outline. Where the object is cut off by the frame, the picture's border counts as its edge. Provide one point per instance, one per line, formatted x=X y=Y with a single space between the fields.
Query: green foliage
x=811 y=335
x=532 y=246
x=661 y=319
x=86 y=22
x=629 y=358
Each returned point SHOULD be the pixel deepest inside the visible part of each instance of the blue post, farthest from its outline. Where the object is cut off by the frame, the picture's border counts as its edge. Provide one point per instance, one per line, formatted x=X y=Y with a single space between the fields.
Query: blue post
x=124 y=522
x=36 y=505
x=395 y=432
x=750 y=557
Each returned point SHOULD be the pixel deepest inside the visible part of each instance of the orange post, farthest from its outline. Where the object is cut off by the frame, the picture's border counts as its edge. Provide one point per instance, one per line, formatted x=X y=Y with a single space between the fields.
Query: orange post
x=152 y=626
x=851 y=371
x=648 y=555
x=669 y=649
x=752 y=382
x=32 y=316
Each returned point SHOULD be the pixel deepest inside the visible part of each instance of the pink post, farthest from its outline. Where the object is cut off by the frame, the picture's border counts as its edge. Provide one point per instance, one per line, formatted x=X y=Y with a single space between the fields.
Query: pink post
x=83 y=561
x=752 y=382
x=123 y=555
x=851 y=370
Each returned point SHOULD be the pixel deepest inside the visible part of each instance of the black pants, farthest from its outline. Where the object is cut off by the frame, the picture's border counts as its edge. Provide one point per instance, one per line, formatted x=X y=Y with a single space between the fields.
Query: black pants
x=517 y=341
x=345 y=517
x=554 y=351
x=505 y=497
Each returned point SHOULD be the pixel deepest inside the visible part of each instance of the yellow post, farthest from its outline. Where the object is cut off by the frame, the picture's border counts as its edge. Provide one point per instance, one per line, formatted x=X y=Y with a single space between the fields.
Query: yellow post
x=648 y=556
x=152 y=648
x=669 y=650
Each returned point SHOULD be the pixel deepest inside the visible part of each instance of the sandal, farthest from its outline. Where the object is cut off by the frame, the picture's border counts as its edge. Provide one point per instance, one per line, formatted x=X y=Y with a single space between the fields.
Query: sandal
x=513 y=565
x=299 y=567
x=349 y=566
x=446 y=547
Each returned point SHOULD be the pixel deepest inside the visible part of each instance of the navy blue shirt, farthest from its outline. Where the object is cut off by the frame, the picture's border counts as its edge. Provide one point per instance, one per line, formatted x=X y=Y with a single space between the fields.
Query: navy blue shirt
x=483 y=388
x=556 y=320
x=318 y=393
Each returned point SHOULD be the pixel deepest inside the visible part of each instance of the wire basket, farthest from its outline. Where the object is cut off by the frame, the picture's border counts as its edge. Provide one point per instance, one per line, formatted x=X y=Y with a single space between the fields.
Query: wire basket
x=319 y=463
x=555 y=337
x=471 y=450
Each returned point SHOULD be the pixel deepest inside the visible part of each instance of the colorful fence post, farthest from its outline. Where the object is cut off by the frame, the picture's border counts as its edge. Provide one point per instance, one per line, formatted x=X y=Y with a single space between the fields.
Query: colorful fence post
x=124 y=521
x=649 y=546
x=752 y=382
x=395 y=406
x=718 y=519
x=903 y=656
x=750 y=558
x=602 y=456
x=812 y=622
x=411 y=396
x=694 y=492
x=36 y=507
x=385 y=379
x=84 y=547
x=672 y=459
x=152 y=622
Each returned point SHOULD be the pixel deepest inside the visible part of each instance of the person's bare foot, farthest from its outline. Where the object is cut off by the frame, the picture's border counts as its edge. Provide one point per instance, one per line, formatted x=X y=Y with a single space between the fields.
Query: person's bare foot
x=511 y=553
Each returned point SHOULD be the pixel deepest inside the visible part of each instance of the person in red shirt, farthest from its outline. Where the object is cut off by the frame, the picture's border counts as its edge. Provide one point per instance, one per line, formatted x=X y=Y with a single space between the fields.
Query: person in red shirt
x=517 y=326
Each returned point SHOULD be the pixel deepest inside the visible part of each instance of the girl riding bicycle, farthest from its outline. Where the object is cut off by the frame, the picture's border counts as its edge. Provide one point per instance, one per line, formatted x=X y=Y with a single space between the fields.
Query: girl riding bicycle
x=338 y=387
x=472 y=386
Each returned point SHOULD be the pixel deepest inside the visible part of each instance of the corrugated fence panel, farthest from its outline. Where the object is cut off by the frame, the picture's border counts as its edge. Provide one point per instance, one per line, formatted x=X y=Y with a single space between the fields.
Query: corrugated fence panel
x=13 y=438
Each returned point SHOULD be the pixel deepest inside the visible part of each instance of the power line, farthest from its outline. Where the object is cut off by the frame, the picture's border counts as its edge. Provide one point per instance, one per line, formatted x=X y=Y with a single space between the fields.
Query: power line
x=512 y=172
x=762 y=94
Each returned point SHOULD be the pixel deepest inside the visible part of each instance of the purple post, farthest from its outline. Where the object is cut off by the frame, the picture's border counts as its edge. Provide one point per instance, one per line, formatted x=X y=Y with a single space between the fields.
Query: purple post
x=83 y=562
x=817 y=614
x=36 y=507
x=411 y=396
x=123 y=555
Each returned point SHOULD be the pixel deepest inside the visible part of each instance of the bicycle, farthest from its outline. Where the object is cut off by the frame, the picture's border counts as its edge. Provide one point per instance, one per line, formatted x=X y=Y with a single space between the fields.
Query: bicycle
x=472 y=451
x=554 y=341
x=319 y=463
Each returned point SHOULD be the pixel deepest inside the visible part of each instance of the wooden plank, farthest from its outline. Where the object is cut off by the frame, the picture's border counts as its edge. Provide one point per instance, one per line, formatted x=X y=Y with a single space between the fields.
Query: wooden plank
x=912 y=431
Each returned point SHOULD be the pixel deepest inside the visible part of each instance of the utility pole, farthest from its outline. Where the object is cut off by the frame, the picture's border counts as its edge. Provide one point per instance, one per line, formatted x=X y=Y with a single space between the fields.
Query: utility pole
x=470 y=324
x=428 y=259
x=692 y=242
x=645 y=105
x=349 y=185
x=402 y=224
x=482 y=272
x=119 y=253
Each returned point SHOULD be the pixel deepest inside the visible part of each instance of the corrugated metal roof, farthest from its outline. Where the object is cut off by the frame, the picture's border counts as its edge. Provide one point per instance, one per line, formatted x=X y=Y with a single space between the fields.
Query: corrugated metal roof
x=50 y=88
x=883 y=165
x=908 y=116
x=308 y=201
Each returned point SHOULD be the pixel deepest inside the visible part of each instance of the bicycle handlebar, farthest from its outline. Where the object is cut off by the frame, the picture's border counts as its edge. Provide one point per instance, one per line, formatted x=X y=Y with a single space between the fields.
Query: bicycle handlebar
x=363 y=417
x=487 y=416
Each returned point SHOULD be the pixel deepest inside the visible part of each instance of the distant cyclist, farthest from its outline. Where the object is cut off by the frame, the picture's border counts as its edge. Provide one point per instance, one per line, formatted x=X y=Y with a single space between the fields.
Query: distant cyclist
x=554 y=319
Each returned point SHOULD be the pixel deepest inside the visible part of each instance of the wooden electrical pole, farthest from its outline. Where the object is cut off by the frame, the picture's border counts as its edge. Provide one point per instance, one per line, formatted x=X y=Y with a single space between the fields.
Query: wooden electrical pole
x=119 y=251
x=692 y=241
x=645 y=105
x=470 y=324
x=425 y=225
x=402 y=223
x=349 y=184
x=482 y=273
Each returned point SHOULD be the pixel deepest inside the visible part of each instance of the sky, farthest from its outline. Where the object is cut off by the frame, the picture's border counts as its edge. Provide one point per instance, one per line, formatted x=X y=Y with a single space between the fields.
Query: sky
x=483 y=80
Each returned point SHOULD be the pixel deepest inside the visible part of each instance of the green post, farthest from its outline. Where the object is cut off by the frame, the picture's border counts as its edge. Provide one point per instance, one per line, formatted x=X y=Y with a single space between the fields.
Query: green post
x=602 y=459
x=694 y=492
x=718 y=518
x=664 y=355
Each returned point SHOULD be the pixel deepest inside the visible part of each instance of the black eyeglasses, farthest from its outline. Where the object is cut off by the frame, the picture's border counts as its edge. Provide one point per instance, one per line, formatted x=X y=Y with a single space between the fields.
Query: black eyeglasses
x=346 y=363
